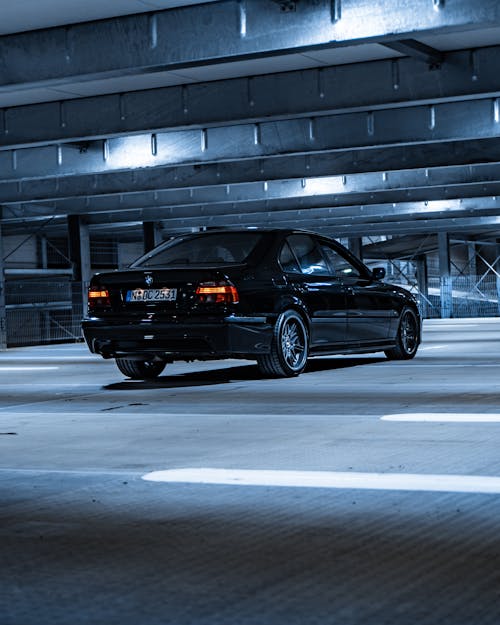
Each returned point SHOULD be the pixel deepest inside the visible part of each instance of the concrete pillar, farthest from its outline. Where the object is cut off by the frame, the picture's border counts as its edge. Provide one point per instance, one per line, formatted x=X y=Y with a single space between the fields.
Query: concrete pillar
x=497 y=269
x=445 y=275
x=152 y=235
x=471 y=276
x=471 y=258
x=423 y=283
x=79 y=254
x=43 y=262
x=43 y=252
x=3 y=310
x=355 y=245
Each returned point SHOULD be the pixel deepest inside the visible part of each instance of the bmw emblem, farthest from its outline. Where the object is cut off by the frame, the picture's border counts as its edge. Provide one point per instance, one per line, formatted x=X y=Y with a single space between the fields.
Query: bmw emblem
x=148 y=280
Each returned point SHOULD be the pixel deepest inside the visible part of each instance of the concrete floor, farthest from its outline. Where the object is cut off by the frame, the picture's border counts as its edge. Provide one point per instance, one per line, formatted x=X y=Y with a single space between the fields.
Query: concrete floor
x=84 y=539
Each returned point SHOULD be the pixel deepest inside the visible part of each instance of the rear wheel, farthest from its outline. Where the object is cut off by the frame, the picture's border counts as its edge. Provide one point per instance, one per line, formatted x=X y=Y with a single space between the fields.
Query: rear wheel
x=407 y=339
x=140 y=369
x=289 y=347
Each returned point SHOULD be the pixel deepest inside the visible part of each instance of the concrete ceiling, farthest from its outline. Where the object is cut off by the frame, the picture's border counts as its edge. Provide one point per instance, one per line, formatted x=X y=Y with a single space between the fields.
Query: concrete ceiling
x=351 y=117
x=24 y=15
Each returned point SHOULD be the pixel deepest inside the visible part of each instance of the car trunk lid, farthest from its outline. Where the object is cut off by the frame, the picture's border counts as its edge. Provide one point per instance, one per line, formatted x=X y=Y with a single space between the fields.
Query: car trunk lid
x=166 y=291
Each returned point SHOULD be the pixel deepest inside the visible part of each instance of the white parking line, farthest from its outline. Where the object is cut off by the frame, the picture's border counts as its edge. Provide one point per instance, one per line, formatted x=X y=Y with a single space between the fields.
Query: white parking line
x=444 y=417
x=450 y=326
x=28 y=368
x=19 y=411
x=330 y=479
x=89 y=357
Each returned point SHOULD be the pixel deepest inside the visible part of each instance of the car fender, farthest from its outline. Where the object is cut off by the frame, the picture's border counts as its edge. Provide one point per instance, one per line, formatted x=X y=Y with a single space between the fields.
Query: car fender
x=292 y=302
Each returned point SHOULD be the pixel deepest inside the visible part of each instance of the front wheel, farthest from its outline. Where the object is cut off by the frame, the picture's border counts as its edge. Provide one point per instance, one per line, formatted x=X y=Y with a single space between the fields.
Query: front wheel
x=408 y=337
x=289 y=347
x=140 y=369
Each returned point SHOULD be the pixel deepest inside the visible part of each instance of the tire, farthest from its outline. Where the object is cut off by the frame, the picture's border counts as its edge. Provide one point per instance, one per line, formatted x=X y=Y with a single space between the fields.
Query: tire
x=289 y=347
x=408 y=337
x=140 y=369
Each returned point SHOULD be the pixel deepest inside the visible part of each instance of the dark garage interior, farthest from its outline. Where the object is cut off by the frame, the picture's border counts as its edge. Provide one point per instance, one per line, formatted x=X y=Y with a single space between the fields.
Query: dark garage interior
x=367 y=489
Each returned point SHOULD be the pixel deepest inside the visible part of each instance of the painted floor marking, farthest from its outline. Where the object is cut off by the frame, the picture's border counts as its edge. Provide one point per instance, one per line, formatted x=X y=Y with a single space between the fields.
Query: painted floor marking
x=162 y=415
x=330 y=479
x=450 y=326
x=27 y=368
x=444 y=417
x=7 y=356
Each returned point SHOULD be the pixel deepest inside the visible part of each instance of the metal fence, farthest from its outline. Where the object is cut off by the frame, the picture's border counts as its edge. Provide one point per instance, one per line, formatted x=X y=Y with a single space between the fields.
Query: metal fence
x=467 y=296
x=471 y=296
x=50 y=311
x=42 y=311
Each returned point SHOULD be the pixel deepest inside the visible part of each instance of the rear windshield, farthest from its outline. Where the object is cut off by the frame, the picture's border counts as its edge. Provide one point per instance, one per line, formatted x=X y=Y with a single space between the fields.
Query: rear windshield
x=207 y=249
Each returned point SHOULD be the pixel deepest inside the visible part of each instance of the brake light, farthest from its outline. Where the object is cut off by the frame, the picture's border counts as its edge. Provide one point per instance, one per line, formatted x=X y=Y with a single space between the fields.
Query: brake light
x=98 y=298
x=217 y=293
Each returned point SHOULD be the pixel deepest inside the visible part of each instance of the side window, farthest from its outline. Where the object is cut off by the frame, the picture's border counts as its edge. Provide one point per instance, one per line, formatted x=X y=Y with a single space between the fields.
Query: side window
x=309 y=256
x=340 y=267
x=287 y=260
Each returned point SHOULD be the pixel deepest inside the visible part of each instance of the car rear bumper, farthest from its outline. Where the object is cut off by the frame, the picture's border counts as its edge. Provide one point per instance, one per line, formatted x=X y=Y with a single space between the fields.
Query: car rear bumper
x=230 y=337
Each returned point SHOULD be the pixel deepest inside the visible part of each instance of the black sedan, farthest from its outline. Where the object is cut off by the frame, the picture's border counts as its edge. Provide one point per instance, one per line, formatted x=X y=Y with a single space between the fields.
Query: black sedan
x=274 y=296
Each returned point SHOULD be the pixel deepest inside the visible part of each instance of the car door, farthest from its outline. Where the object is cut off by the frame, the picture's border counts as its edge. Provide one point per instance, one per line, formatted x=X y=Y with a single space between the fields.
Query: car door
x=369 y=308
x=323 y=294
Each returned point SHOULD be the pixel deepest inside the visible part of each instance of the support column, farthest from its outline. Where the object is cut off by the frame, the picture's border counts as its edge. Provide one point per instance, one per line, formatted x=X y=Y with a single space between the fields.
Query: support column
x=79 y=254
x=3 y=310
x=43 y=254
x=471 y=276
x=445 y=275
x=422 y=283
x=497 y=269
x=355 y=245
x=45 y=318
x=472 y=258
x=152 y=235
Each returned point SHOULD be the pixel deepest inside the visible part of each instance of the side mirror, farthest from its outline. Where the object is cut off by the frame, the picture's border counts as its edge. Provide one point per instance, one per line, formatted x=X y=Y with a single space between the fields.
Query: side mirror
x=378 y=273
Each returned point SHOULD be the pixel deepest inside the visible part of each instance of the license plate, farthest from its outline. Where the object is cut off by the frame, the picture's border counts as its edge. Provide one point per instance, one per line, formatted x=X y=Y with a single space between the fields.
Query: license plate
x=151 y=295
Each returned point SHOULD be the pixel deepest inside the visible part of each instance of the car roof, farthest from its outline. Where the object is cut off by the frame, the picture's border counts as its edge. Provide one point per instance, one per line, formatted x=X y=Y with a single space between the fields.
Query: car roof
x=255 y=229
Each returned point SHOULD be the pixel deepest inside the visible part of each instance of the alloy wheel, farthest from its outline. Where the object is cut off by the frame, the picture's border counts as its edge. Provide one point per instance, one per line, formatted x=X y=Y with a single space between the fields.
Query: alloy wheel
x=409 y=333
x=293 y=343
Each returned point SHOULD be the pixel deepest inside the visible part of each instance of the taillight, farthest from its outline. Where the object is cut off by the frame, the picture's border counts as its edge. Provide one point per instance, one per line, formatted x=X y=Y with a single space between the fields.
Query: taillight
x=217 y=293
x=98 y=298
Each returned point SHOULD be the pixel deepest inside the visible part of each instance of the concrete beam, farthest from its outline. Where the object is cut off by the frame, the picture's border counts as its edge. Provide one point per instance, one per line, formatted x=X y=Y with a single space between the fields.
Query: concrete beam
x=192 y=36
x=372 y=85
x=285 y=211
x=491 y=224
x=406 y=126
x=375 y=188
x=410 y=216
x=261 y=169
x=488 y=225
x=366 y=188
